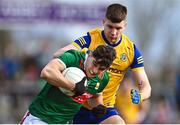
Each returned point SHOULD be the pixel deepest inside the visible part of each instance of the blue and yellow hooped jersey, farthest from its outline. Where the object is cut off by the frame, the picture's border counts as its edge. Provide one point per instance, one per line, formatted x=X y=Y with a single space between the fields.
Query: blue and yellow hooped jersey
x=127 y=56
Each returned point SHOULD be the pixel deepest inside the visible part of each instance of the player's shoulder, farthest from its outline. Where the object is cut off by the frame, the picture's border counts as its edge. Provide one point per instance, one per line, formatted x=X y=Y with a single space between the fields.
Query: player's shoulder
x=77 y=55
x=127 y=39
x=75 y=52
x=105 y=77
x=95 y=30
x=128 y=42
x=72 y=51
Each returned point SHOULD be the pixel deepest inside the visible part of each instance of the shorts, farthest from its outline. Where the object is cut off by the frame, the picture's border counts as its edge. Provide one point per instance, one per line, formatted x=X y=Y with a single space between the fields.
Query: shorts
x=85 y=116
x=30 y=119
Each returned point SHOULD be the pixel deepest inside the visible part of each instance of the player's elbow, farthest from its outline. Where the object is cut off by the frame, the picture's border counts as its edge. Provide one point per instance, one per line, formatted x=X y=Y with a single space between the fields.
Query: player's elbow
x=58 y=53
x=148 y=90
x=44 y=73
x=55 y=55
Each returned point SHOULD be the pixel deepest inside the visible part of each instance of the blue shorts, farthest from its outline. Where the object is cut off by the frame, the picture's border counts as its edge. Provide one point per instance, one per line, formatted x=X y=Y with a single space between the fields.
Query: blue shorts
x=85 y=116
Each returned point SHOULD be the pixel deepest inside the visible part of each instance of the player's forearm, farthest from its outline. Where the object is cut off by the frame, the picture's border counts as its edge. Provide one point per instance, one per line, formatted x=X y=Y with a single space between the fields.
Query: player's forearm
x=145 y=90
x=58 y=81
x=52 y=74
x=64 y=49
x=143 y=84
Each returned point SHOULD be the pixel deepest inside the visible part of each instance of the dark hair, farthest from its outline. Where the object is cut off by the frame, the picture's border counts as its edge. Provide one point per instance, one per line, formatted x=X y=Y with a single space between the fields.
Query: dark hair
x=104 y=55
x=116 y=13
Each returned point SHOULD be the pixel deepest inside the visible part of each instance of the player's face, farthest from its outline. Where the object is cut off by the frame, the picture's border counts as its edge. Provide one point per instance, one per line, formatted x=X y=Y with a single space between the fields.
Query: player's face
x=92 y=68
x=113 y=31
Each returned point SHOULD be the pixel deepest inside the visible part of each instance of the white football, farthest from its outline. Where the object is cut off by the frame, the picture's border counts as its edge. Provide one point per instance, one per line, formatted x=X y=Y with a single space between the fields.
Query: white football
x=74 y=75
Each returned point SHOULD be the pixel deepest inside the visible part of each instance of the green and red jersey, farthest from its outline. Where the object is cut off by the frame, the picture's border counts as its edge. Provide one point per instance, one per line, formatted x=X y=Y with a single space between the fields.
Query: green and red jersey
x=53 y=106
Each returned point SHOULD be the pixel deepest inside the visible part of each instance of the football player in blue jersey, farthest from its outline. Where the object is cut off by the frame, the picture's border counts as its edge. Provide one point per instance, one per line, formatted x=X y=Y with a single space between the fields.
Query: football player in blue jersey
x=128 y=56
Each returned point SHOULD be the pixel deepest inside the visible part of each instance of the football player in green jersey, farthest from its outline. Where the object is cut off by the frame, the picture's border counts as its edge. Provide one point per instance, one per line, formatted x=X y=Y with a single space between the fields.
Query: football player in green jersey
x=51 y=106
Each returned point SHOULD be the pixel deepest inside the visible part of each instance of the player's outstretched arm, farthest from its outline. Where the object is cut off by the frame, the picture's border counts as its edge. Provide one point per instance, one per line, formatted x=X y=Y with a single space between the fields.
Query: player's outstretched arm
x=64 y=49
x=144 y=86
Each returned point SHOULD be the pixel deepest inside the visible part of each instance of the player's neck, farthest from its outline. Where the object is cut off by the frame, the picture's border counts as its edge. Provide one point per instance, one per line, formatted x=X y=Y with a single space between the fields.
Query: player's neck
x=110 y=43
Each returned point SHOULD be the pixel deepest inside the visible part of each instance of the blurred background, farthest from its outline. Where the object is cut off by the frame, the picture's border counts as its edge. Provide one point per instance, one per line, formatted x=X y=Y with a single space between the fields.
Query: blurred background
x=31 y=31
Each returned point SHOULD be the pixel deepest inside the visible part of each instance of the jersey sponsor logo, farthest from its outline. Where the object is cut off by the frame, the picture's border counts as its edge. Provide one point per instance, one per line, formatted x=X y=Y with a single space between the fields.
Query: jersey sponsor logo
x=140 y=60
x=116 y=71
x=123 y=57
x=82 y=41
x=82 y=98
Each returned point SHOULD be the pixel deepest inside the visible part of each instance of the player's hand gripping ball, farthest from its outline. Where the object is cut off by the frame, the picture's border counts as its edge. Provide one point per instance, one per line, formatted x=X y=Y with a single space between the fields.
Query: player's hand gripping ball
x=76 y=76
